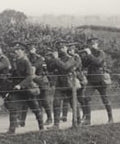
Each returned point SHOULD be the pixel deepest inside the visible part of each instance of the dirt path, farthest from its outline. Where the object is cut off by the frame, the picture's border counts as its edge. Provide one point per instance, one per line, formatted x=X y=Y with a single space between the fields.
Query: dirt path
x=98 y=117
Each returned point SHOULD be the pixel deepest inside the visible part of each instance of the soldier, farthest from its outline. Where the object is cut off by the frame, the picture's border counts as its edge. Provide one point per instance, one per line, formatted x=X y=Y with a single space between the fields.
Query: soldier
x=95 y=64
x=65 y=65
x=27 y=89
x=82 y=79
x=42 y=80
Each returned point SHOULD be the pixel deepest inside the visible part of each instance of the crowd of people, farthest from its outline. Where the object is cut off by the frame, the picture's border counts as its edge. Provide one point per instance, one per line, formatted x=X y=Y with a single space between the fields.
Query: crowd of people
x=46 y=81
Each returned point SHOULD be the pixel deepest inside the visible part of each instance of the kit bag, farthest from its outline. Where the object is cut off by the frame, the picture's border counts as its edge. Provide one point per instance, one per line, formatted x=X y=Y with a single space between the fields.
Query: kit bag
x=106 y=78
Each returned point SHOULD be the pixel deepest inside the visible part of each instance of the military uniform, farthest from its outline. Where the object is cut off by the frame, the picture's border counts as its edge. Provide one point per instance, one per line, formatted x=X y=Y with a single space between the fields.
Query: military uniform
x=28 y=92
x=80 y=91
x=66 y=65
x=42 y=80
x=95 y=64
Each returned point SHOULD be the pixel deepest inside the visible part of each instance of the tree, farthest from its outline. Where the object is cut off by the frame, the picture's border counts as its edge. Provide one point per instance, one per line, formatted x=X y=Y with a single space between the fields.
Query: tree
x=12 y=17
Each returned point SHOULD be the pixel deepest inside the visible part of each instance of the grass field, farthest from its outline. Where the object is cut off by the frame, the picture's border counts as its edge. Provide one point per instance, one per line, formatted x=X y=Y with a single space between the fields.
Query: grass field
x=104 y=134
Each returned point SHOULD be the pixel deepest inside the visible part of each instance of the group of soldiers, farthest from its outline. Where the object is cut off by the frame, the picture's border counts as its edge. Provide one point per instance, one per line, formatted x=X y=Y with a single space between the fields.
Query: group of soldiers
x=47 y=82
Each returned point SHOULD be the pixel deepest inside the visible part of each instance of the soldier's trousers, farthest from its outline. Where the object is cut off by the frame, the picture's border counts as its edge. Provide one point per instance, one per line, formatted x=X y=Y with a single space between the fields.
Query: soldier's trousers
x=80 y=97
x=46 y=101
x=15 y=103
x=59 y=96
x=102 y=89
x=23 y=115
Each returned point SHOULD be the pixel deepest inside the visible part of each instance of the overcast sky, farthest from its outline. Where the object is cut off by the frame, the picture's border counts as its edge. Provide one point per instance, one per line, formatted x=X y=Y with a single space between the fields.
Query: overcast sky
x=58 y=7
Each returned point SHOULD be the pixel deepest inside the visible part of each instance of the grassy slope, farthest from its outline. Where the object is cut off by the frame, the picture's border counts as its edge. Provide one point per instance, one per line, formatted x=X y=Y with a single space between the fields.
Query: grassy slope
x=105 y=134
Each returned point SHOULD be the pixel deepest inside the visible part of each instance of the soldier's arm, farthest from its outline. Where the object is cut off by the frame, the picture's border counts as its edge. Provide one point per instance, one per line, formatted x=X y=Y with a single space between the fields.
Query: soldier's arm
x=65 y=65
x=97 y=60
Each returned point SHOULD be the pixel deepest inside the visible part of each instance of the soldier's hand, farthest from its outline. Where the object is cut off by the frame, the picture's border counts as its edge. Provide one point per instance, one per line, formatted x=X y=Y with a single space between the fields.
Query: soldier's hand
x=18 y=87
x=55 y=54
x=33 y=51
x=88 y=51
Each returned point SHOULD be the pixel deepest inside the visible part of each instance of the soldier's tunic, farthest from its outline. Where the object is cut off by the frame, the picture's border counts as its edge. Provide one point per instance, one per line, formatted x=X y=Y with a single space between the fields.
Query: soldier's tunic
x=26 y=95
x=95 y=64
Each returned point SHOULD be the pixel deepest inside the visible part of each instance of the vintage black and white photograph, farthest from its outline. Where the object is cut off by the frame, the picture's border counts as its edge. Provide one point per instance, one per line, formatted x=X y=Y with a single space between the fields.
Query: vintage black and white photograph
x=59 y=72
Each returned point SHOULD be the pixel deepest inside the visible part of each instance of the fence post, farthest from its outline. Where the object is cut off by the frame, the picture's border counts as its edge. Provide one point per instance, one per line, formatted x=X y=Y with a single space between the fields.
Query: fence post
x=74 y=98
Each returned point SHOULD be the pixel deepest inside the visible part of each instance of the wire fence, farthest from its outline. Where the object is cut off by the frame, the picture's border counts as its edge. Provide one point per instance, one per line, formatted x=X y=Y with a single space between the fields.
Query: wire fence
x=112 y=94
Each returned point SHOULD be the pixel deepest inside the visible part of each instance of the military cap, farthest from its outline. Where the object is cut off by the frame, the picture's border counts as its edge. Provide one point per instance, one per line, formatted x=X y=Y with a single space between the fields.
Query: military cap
x=18 y=47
